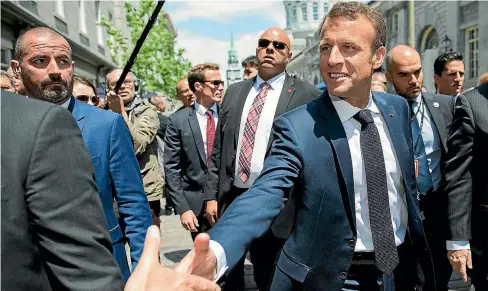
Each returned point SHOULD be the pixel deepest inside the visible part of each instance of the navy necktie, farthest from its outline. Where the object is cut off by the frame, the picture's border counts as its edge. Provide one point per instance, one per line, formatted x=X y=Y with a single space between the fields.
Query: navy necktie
x=424 y=178
x=385 y=250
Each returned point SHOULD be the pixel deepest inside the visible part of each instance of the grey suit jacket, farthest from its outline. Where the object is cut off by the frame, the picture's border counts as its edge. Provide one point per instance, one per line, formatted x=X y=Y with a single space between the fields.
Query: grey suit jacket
x=467 y=181
x=54 y=233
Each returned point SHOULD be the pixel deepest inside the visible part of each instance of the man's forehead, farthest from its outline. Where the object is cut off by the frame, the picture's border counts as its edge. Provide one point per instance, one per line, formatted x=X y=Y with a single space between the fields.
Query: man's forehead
x=115 y=75
x=455 y=66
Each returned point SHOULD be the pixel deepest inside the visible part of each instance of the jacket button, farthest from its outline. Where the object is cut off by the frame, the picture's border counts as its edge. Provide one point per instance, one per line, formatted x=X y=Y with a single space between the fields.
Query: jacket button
x=343 y=275
x=351 y=243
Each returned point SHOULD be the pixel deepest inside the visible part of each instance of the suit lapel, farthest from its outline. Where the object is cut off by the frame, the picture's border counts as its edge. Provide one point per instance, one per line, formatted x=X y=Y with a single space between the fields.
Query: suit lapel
x=78 y=114
x=394 y=125
x=241 y=100
x=333 y=130
x=437 y=117
x=197 y=134
x=285 y=98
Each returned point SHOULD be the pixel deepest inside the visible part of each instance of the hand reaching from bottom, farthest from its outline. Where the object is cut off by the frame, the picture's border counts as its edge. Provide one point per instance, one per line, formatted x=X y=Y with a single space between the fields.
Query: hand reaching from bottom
x=151 y=276
x=201 y=260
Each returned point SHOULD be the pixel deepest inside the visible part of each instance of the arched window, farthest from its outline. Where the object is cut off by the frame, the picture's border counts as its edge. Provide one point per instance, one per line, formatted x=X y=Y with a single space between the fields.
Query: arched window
x=430 y=39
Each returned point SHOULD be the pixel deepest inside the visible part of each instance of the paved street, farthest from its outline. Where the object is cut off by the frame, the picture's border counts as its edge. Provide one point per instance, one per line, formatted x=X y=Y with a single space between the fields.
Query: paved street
x=176 y=243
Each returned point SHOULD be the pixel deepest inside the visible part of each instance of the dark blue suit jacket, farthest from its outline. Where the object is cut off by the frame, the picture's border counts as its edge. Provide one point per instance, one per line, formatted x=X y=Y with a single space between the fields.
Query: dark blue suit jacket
x=310 y=151
x=118 y=177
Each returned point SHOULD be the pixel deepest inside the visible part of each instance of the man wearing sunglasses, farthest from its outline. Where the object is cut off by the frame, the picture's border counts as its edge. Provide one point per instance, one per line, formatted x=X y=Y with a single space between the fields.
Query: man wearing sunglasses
x=189 y=138
x=43 y=61
x=243 y=139
x=84 y=91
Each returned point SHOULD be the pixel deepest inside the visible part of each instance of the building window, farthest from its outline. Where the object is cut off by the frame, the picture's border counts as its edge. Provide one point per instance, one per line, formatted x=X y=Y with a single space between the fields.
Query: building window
x=394 y=23
x=315 y=11
x=81 y=5
x=60 y=8
x=326 y=8
x=304 y=12
x=472 y=51
x=99 y=28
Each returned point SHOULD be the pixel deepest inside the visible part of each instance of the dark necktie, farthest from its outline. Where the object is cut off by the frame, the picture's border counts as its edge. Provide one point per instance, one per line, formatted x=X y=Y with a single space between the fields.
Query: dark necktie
x=423 y=176
x=210 y=132
x=385 y=250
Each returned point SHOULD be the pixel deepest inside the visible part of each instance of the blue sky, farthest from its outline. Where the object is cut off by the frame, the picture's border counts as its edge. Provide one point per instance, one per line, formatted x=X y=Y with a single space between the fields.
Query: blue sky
x=204 y=27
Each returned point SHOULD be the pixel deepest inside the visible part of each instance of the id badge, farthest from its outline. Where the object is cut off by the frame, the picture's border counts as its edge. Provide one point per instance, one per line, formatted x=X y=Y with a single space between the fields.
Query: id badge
x=416 y=164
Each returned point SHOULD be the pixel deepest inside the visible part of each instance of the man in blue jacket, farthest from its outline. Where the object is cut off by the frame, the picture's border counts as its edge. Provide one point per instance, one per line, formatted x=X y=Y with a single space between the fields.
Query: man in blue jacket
x=348 y=156
x=43 y=61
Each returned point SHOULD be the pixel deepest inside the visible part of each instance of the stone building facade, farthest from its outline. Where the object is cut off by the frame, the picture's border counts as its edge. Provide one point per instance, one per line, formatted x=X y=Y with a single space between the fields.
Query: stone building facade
x=464 y=23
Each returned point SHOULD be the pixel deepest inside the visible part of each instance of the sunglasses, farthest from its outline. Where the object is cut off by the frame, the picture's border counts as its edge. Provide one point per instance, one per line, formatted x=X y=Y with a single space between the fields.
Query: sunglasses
x=264 y=43
x=84 y=99
x=216 y=83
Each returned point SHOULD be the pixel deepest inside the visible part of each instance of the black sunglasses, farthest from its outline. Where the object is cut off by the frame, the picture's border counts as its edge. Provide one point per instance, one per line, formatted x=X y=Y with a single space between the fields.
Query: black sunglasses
x=264 y=43
x=215 y=82
x=84 y=99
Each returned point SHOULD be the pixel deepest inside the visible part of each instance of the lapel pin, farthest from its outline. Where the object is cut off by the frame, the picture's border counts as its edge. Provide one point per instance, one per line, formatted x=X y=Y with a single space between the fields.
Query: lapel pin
x=436 y=104
x=290 y=90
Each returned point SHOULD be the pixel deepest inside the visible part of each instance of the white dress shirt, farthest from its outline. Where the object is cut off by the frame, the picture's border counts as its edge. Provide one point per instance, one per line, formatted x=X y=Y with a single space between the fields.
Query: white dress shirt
x=431 y=139
x=202 y=120
x=394 y=177
x=263 y=130
x=66 y=104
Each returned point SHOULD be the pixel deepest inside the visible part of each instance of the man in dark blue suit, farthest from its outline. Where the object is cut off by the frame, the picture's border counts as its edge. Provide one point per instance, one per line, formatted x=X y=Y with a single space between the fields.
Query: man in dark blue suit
x=43 y=61
x=348 y=155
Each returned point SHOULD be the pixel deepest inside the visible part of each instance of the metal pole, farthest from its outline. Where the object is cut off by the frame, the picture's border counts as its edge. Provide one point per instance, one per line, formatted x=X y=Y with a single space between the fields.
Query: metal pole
x=411 y=23
x=138 y=45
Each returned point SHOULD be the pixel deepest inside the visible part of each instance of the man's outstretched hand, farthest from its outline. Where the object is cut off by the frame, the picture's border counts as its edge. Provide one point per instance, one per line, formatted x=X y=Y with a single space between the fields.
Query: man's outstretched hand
x=201 y=261
x=460 y=260
x=151 y=276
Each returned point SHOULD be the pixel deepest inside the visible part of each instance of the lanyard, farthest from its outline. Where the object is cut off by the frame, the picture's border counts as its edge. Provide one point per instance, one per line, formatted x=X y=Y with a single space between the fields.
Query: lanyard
x=421 y=109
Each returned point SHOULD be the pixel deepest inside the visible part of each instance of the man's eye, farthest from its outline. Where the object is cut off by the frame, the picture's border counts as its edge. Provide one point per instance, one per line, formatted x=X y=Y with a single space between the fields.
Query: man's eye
x=38 y=61
x=325 y=49
x=64 y=62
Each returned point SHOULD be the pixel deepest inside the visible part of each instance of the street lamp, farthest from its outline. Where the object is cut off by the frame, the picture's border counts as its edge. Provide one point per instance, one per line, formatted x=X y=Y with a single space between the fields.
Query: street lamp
x=446 y=44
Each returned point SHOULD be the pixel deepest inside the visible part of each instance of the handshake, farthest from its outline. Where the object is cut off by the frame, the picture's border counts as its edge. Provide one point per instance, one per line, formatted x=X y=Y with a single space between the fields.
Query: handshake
x=194 y=272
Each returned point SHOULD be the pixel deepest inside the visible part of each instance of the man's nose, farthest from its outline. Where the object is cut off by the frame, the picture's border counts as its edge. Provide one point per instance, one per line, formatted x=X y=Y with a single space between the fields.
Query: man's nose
x=335 y=57
x=53 y=68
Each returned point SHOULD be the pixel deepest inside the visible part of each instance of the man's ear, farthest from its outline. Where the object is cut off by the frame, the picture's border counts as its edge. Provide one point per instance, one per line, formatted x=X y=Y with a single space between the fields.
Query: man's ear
x=378 y=57
x=14 y=64
x=73 y=65
x=198 y=86
x=389 y=77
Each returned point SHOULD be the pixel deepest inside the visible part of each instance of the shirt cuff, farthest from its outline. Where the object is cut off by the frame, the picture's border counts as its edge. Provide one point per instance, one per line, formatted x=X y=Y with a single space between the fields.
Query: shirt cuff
x=219 y=253
x=455 y=245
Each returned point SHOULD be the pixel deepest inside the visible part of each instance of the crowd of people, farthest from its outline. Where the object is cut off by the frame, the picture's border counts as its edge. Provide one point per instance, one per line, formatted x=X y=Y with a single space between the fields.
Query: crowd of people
x=347 y=188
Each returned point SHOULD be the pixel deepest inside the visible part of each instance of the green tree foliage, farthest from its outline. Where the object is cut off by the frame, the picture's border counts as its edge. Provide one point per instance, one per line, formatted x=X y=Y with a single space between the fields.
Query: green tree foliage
x=159 y=65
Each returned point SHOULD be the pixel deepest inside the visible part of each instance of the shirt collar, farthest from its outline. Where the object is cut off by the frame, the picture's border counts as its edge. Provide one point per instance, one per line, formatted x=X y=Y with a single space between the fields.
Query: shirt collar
x=66 y=104
x=273 y=82
x=202 y=110
x=418 y=98
x=346 y=111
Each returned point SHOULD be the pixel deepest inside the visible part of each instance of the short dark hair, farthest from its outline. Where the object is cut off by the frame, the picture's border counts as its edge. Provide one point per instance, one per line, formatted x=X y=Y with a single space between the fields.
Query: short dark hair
x=250 y=60
x=444 y=59
x=197 y=73
x=84 y=81
x=352 y=11
x=19 y=44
